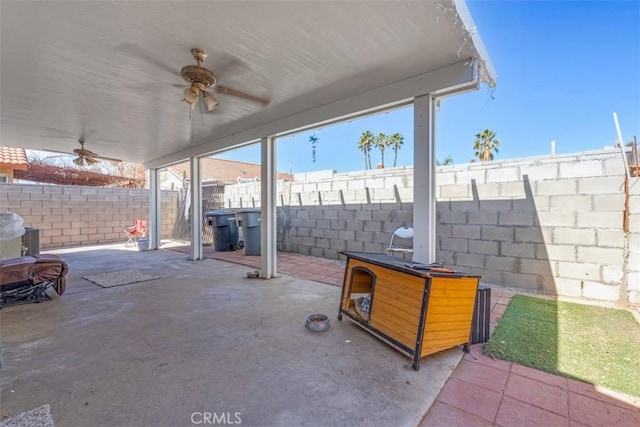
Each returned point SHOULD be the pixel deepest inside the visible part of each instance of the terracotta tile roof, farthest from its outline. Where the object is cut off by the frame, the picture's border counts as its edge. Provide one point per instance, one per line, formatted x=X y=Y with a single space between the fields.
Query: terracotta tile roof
x=226 y=170
x=14 y=158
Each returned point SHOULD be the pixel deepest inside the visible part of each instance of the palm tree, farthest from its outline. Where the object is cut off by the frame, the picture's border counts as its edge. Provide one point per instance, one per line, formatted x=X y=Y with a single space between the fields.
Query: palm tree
x=396 y=141
x=485 y=145
x=446 y=162
x=313 y=139
x=382 y=142
x=365 y=145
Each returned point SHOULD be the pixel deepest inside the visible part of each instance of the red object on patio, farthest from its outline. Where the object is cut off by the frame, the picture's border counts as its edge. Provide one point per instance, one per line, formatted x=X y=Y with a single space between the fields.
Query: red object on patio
x=136 y=231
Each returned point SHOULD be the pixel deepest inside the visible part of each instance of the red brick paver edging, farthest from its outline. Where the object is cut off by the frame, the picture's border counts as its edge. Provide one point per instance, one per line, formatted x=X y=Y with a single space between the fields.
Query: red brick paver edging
x=483 y=391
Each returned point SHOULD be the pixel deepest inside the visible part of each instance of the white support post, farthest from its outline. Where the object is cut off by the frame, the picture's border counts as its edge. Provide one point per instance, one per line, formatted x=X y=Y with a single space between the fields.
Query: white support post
x=268 y=209
x=424 y=180
x=154 y=229
x=196 y=209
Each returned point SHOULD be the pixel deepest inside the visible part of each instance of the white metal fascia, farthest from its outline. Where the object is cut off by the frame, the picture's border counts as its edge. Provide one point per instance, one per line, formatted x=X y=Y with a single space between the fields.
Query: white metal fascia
x=459 y=75
x=472 y=40
x=459 y=88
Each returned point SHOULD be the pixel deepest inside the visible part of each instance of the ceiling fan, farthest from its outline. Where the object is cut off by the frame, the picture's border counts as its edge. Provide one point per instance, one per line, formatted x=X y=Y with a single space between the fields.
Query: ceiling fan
x=202 y=80
x=87 y=157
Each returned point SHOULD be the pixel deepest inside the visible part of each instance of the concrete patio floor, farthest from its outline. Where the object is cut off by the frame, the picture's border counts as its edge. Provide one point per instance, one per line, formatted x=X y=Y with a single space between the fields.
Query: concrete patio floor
x=202 y=339
x=483 y=391
x=206 y=339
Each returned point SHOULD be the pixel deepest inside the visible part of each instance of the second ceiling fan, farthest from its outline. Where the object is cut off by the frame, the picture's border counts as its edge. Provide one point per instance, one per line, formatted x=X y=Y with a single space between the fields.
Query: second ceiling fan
x=202 y=80
x=87 y=157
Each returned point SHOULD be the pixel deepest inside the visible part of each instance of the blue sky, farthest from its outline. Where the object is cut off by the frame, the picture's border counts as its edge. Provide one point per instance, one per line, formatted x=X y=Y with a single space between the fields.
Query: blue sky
x=563 y=69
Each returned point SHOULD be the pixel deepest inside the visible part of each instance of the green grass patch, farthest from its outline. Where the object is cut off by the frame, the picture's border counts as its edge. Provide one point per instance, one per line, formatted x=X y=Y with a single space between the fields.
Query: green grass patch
x=597 y=345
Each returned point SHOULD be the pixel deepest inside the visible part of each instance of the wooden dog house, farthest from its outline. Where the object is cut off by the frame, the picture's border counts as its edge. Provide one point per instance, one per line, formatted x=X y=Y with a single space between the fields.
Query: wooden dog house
x=418 y=312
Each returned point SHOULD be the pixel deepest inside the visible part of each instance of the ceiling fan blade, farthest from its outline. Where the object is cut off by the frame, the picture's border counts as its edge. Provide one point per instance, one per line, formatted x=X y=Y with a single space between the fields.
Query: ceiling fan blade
x=226 y=64
x=84 y=152
x=232 y=92
x=139 y=52
x=62 y=153
x=55 y=157
x=91 y=161
x=111 y=159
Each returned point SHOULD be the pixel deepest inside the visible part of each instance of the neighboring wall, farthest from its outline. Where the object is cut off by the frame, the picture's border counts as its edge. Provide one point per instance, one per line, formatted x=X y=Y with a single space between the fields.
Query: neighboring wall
x=74 y=215
x=549 y=224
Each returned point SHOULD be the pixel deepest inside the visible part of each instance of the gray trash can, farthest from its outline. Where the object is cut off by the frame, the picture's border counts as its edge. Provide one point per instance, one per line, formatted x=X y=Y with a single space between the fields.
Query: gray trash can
x=225 y=230
x=249 y=220
x=31 y=239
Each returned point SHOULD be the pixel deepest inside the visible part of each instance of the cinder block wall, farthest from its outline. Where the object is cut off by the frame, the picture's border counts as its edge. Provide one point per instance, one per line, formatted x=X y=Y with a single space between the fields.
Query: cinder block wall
x=545 y=224
x=354 y=211
x=633 y=260
x=74 y=215
x=548 y=224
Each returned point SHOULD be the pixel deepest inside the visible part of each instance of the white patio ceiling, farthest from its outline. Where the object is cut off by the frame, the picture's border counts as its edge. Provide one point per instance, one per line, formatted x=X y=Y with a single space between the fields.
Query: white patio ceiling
x=108 y=70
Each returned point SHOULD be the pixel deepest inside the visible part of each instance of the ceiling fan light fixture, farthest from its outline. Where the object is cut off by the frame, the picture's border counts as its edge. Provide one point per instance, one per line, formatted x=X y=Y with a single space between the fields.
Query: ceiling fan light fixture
x=191 y=95
x=202 y=79
x=210 y=101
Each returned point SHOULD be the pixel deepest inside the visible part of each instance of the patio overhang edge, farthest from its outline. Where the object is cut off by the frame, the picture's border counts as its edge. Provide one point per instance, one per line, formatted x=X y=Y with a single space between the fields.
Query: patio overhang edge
x=460 y=75
x=486 y=70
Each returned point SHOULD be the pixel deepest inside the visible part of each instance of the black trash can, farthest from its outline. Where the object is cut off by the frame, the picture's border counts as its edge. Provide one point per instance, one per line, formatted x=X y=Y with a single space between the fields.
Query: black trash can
x=225 y=230
x=249 y=220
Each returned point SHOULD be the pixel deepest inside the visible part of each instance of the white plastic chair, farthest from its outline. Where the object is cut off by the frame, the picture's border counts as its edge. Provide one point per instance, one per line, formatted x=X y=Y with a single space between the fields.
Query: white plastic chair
x=405 y=233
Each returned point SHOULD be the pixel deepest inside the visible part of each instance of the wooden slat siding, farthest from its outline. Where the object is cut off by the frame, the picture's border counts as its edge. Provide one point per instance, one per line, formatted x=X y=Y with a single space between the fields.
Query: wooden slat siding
x=443 y=309
x=445 y=328
x=410 y=317
x=439 y=292
x=409 y=291
x=448 y=317
x=380 y=314
x=449 y=314
x=397 y=277
x=395 y=308
x=401 y=280
x=381 y=338
x=432 y=349
x=411 y=303
x=392 y=330
x=393 y=326
x=344 y=303
x=398 y=334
